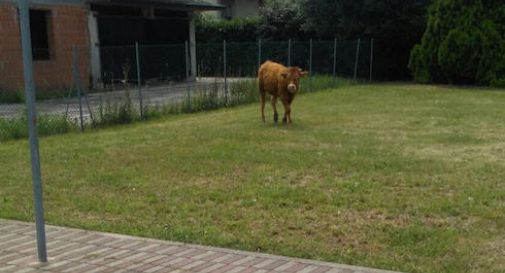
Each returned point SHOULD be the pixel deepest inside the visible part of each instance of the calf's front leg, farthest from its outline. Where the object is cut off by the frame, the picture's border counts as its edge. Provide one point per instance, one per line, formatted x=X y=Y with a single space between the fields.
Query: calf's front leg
x=287 y=112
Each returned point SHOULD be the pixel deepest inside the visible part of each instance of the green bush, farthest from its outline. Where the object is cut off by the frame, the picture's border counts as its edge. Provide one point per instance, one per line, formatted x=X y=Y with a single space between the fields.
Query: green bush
x=459 y=54
x=419 y=64
x=464 y=43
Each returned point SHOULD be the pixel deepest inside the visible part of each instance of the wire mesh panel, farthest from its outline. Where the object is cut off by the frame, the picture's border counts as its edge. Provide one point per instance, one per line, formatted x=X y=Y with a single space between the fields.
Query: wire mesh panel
x=117 y=65
x=322 y=57
x=242 y=59
x=346 y=56
x=162 y=63
x=300 y=54
x=209 y=60
x=274 y=51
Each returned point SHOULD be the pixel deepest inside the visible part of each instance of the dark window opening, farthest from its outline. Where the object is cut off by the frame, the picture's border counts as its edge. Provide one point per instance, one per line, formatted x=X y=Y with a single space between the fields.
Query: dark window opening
x=39 y=34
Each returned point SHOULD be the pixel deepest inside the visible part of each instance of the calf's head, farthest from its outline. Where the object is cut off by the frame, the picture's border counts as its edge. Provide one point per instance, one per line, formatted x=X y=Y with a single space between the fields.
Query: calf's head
x=293 y=75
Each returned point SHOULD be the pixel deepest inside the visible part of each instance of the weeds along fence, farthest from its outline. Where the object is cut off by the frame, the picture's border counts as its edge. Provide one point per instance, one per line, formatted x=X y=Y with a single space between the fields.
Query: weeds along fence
x=79 y=88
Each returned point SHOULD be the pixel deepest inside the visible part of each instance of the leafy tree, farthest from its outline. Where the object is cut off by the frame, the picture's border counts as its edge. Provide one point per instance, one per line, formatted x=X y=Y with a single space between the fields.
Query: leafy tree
x=464 y=42
x=282 y=20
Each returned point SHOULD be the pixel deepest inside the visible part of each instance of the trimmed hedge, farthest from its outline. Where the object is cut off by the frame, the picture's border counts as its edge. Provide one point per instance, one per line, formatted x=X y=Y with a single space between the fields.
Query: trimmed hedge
x=212 y=30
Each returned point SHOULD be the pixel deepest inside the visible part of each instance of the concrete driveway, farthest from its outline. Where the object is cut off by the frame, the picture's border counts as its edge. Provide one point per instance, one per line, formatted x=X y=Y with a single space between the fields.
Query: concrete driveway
x=151 y=96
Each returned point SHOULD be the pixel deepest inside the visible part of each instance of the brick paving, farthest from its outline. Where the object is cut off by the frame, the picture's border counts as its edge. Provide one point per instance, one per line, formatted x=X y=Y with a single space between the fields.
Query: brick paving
x=75 y=251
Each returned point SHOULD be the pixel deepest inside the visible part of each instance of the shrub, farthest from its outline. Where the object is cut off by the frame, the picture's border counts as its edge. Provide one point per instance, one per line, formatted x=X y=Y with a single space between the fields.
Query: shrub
x=464 y=43
x=458 y=55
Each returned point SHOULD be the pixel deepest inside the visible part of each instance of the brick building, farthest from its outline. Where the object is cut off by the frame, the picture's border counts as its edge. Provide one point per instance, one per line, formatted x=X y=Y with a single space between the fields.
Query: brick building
x=89 y=25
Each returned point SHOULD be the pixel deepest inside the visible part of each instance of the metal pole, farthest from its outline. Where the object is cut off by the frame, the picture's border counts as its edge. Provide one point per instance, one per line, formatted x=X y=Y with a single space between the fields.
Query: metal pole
x=75 y=75
x=24 y=17
x=78 y=83
x=259 y=53
x=310 y=64
x=186 y=57
x=335 y=58
x=224 y=73
x=371 y=59
x=89 y=110
x=356 y=59
x=139 y=84
x=289 y=52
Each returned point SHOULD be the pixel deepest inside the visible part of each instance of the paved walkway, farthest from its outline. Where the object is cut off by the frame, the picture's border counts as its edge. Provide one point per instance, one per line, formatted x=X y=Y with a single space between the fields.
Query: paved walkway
x=151 y=96
x=75 y=250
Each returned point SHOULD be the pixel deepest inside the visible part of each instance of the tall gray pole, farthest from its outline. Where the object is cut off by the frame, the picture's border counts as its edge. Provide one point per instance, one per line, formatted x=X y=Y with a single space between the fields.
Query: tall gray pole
x=310 y=64
x=26 y=42
x=356 y=59
x=289 y=52
x=259 y=53
x=371 y=59
x=139 y=83
x=335 y=58
x=75 y=75
x=186 y=57
x=224 y=74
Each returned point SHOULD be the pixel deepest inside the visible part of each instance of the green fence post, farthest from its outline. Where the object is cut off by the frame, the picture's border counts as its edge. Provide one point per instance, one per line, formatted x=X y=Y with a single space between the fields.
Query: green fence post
x=139 y=83
x=188 y=89
x=371 y=59
x=310 y=65
x=356 y=59
x=224 y=74
x=289 y=52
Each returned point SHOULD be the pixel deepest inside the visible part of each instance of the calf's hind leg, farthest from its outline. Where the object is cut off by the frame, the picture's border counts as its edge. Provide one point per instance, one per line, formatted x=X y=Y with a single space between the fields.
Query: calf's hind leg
x=262 y=102
x=274 y=106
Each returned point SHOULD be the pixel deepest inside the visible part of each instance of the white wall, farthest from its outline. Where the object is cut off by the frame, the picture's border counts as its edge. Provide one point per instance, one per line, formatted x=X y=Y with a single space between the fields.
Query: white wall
x=239 y=8
x=245 y=8
x=215 y=13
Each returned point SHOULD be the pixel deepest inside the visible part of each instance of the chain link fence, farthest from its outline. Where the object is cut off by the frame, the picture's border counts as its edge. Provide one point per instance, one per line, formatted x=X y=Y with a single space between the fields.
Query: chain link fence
x=138 y=82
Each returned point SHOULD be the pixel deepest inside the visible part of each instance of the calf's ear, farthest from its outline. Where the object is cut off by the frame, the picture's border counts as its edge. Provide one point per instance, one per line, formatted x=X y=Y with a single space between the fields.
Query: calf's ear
x=304 y=73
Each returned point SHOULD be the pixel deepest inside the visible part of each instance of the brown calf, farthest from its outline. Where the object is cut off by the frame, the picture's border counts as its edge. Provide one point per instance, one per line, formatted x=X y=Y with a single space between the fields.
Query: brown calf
x=281 y=82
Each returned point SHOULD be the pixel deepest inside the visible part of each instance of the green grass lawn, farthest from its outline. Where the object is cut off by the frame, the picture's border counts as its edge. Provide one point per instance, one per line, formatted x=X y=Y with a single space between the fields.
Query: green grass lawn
x=395 y=176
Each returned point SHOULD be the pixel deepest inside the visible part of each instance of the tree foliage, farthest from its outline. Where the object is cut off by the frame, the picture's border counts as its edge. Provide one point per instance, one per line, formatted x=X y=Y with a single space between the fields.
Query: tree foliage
x=464 y=43
x=282 y=20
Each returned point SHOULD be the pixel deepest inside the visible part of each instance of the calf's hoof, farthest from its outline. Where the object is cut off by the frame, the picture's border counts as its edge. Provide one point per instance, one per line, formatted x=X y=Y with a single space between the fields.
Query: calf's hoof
x=284 y=120
x=276 y=117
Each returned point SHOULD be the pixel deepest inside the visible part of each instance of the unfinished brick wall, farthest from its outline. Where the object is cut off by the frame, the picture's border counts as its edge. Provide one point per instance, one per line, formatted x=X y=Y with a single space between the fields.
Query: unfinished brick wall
x=68 y=26
x=11 y=68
